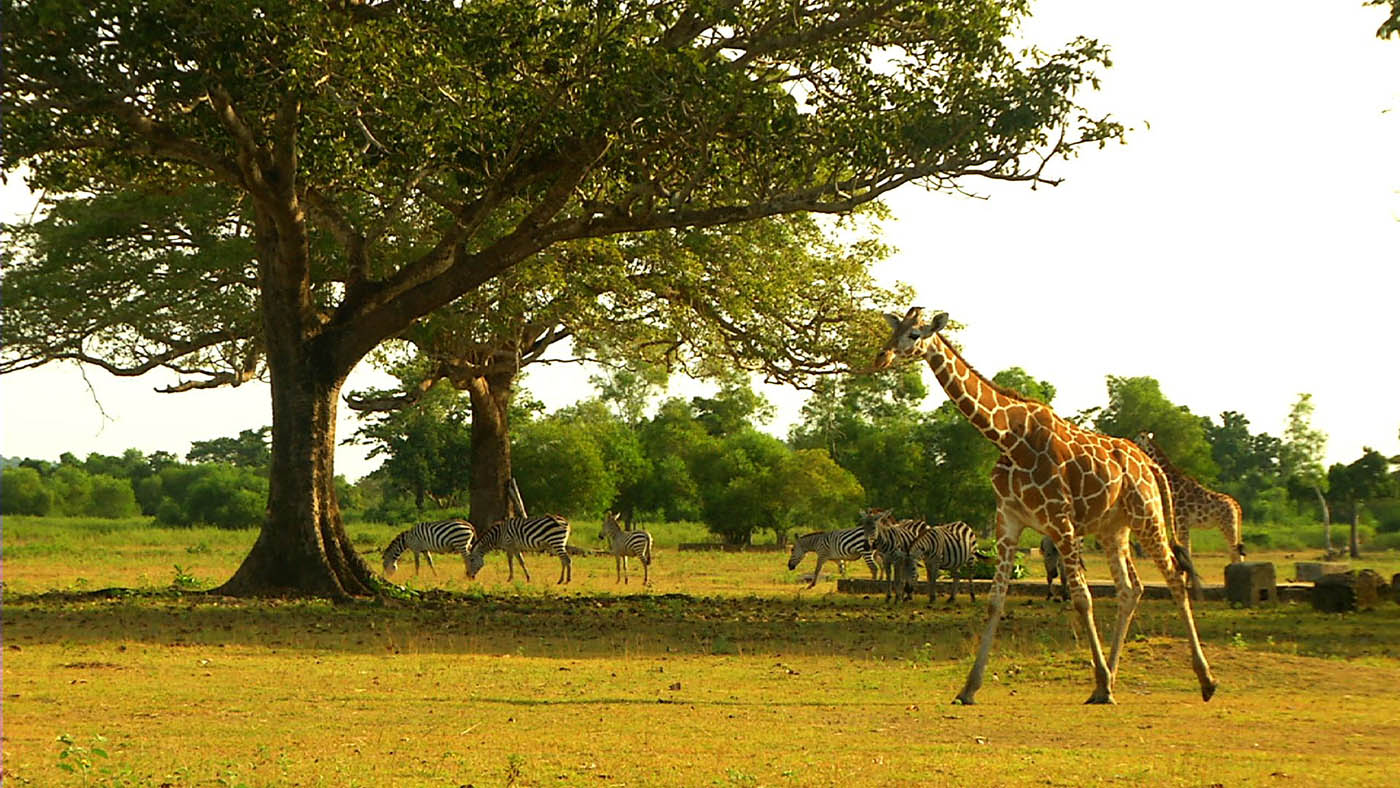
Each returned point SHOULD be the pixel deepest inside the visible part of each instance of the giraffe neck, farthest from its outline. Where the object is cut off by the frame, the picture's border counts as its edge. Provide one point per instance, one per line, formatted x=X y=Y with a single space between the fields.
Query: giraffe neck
x=978 y=398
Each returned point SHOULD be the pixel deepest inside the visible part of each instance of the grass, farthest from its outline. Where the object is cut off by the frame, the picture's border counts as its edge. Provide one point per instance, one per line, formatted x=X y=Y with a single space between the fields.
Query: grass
x=723 y=673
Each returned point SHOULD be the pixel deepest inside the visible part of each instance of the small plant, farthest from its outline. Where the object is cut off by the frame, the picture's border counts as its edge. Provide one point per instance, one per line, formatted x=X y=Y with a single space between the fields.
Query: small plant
x=1237 y=640
x=923 y=655
x=514 y=772
x=199 y=548
x=723 y=646
x=184 y=581
x=82 y=762
x=733 y=776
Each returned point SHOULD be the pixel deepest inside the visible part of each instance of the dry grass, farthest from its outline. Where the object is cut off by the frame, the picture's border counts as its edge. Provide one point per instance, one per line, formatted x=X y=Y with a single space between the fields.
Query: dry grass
x=722 y=674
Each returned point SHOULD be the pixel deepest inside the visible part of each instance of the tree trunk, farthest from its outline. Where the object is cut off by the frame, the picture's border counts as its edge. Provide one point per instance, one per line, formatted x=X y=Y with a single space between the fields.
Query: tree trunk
x=1326 y=518
x=1354 y=546
x=302 y=549
x=490 y=472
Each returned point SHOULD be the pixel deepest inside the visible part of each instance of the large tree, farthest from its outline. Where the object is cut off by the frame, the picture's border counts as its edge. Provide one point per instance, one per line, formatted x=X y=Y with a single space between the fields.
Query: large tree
x=381 y=159
x=773 y=296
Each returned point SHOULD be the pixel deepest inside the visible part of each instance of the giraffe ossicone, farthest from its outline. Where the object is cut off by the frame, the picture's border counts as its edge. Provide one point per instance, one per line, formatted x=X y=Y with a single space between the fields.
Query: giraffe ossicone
x=1065 y=482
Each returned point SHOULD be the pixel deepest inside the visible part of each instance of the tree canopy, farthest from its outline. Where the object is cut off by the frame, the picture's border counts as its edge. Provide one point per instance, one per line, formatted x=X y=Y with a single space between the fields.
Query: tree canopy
x=304 y=181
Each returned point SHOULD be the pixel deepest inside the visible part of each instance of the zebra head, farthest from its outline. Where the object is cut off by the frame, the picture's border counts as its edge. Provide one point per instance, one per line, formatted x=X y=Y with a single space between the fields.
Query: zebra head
x=799 y=549
x=612 y=522
x=475 y=561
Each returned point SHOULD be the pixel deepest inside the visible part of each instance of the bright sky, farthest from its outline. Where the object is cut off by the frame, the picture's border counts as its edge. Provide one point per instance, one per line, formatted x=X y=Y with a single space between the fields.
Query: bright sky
x=1241 y=250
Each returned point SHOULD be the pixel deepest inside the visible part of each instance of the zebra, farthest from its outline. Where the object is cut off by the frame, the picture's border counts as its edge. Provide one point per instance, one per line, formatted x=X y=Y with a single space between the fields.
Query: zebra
x=848 y=543
x=627 y=543
x=441 y=536
x=947 y=547
x=545 y=534
x=889 y=539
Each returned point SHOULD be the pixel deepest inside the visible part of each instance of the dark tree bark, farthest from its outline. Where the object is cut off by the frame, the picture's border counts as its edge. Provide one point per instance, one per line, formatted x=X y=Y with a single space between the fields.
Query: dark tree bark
x=490 y=397
x=302 y=548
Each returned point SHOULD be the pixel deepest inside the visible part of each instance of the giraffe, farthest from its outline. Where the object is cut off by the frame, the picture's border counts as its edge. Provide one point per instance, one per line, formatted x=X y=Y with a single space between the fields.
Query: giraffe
x=1197 y=505
x=1065 y=482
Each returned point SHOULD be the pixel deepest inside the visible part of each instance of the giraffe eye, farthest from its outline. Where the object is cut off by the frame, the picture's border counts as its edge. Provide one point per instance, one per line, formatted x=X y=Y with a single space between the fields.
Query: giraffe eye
x=914 y=335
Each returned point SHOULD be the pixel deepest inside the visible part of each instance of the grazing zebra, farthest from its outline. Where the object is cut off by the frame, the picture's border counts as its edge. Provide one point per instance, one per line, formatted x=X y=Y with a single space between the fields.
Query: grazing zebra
x=947 y=547
x=546 y=534
x=442 y=536
x=627 y=543
x=846 y=544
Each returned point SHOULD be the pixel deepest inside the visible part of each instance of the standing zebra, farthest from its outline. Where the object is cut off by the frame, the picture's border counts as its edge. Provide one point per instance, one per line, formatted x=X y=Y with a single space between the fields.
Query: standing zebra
x=442 y=536
x=889 y=539
x=627 y=543
x=846 y=544
x=947 y=547
x=546 y=534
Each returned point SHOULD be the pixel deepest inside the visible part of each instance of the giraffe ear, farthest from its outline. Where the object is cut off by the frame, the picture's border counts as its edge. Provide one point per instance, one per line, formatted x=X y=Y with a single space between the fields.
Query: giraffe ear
x=893 y=320
x=939 y=321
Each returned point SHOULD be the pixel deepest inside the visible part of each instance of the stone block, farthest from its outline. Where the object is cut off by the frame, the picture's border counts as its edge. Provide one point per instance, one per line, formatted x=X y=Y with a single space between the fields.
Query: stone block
x=1251 y=583
x=1313 y=571
x=1335 y=593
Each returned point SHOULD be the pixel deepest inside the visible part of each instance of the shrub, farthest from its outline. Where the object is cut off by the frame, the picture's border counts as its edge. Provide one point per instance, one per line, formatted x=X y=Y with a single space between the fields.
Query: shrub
x=112 y=498
x=22 y=491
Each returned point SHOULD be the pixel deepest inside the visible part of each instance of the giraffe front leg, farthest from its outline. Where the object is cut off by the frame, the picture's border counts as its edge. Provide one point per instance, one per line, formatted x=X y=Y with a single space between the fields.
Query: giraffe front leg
x=1194 y=582
x=1084 y=605
x=1008 y=535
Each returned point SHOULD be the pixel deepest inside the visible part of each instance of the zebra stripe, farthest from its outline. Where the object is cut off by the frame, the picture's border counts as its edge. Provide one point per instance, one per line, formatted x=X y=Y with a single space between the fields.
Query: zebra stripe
x=546 y=534
x=440 y=536
x=623 y=544
x=947 y=547
x=1055 y=566
x=842 y=545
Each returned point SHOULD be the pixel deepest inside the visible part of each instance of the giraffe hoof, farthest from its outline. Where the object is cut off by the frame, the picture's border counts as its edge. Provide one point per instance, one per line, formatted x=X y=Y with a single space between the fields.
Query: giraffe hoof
x=1208 y=690
x=1100 y=699
x=964 y=700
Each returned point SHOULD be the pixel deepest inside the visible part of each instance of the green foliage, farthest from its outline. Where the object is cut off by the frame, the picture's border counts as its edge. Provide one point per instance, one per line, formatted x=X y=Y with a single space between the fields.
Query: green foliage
x=112 y=497
x=225 y=496
x=22 y=491
x=249 y=450
x=1137 y=405
x=561 y=470
x=427 y=448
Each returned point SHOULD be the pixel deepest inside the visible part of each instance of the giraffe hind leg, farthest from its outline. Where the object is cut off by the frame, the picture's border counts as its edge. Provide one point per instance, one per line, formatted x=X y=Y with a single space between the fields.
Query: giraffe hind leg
x=1129 y=587
x=1157 y=548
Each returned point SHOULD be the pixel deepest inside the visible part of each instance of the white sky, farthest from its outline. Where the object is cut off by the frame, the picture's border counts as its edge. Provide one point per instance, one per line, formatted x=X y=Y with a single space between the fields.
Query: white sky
x=1243 y=249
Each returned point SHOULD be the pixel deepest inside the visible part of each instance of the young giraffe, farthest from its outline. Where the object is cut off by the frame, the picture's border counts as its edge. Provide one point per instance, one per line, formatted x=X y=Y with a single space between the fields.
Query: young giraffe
x=1197 y=506
x=1065 y=482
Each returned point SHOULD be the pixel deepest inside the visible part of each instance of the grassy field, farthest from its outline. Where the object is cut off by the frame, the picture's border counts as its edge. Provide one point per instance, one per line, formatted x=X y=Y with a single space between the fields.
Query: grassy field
x=723 y=673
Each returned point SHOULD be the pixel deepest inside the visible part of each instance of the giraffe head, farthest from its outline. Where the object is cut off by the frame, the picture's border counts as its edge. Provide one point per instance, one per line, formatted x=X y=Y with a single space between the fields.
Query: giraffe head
x=912 y=335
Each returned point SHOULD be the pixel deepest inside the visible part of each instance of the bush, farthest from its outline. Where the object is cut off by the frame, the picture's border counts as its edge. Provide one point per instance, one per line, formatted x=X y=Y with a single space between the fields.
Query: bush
x=112 y=498
x=227 y=497
x=22 y=491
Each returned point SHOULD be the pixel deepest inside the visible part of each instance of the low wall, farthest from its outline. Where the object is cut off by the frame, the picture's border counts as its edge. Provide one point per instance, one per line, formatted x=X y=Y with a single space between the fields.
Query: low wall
x=1287 y=592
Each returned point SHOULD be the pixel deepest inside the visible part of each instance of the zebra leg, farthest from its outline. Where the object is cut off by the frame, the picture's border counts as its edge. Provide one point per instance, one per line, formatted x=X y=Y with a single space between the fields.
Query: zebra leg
x=869 y=559
x=521 y=558
x=415 y=563
x=625 y=578
x=467 y=562
x=646 y=568
x=429 y=556
x=566 y=567
x=816 y=573
x=617 y=568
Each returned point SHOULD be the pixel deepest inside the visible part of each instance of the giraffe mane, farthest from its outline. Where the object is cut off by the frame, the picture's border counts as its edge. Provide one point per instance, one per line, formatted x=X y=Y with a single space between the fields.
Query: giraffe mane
x=995 y=386
x=1165 y=461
